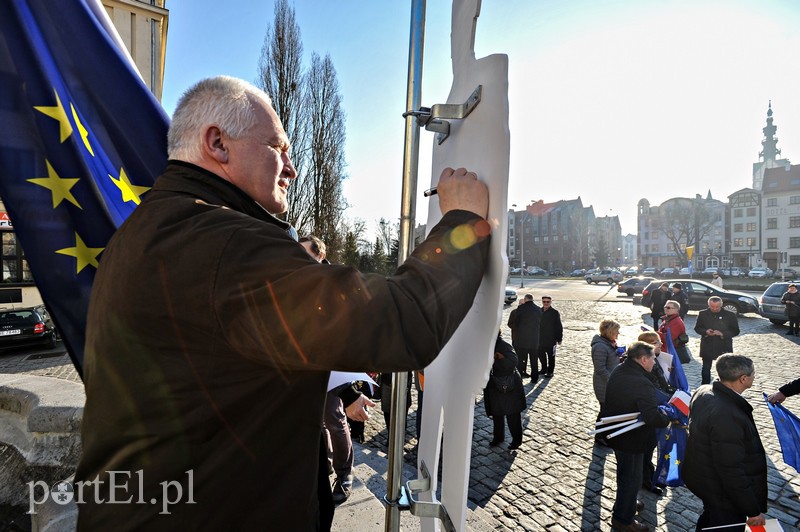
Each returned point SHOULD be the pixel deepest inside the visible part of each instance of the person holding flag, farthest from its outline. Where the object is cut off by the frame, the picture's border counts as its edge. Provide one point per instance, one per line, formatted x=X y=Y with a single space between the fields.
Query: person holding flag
x=674 y=327
x=787 y=390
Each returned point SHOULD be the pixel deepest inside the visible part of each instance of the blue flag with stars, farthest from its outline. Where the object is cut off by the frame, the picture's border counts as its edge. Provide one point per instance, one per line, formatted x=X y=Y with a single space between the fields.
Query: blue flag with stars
x=672 y=439
x=81 y=141
x=787 y=427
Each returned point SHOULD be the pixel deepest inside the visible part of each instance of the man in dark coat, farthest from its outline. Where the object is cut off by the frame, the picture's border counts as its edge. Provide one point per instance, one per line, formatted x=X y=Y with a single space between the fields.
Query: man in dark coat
x=630 y=389
x=681 y=297
x=716 y=327
x=551 y=333
x=657 y=301
x=725 y=464
x=787 y=390
x=524 y=322
x=212 y=333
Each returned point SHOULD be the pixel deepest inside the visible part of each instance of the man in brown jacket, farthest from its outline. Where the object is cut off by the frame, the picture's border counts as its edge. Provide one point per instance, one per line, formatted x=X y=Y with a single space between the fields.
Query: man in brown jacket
x=211 y=332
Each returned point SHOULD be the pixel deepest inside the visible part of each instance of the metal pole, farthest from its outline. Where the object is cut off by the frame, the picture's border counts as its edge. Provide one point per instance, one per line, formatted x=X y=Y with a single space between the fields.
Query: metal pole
x=397 y=429
x=522 y=252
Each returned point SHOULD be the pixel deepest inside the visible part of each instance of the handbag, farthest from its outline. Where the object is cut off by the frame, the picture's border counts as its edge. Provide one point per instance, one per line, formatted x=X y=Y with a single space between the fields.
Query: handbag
x=683 y=338
x=504 y=383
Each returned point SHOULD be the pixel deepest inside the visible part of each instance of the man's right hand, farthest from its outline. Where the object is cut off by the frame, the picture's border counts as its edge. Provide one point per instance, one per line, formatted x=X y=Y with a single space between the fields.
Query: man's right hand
x=461 y=190
x=759 y=520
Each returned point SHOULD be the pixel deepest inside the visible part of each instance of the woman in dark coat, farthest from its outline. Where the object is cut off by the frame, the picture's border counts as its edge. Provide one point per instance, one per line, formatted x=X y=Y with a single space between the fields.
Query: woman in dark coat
x=791 y=298
x=504 y=396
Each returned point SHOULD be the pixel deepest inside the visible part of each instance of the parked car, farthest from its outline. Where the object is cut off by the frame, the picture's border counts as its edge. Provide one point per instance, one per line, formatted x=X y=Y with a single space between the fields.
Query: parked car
x=698 y=293
x=760 y=272
x=709 y=272
x=685 y=272
x=732 y=272
x=558 y=272
x=607 y=275
x=786 y=273
x=666 y=272
x=535 y=270
x=633 y=271
x=25 y=327
x=580 y=272
x=634 y=285
x=515 y=271
x=511 y=296
x=771 y=306
x=650 y=271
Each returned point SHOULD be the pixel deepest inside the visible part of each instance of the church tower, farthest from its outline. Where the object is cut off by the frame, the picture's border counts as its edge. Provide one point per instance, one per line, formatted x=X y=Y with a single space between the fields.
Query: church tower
x=769 y=153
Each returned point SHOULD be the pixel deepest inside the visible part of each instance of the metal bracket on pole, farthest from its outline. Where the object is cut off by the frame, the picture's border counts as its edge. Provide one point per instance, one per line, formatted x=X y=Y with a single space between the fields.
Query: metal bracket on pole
x=436 y=118
x=426 y=509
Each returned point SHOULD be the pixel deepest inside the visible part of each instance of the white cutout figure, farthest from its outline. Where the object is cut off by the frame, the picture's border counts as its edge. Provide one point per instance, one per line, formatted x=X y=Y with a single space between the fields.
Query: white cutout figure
x=479 y=143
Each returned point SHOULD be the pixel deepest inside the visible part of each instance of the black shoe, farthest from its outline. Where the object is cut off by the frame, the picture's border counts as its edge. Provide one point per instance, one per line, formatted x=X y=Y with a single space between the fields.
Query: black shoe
x=656 y=491
x=342 y=489
x=525 y=374
x=639 y=506
x=636 y=526
x=601 y=441
x=790 y=333
x=514 y=445
x=549 y=375
x=495 y=443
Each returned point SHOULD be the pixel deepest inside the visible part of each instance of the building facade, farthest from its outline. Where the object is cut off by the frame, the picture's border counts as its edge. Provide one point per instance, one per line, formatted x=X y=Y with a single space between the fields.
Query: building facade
x=780 y=217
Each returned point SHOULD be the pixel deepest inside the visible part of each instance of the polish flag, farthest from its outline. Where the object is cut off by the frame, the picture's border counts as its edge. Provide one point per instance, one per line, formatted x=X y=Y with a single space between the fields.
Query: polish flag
x=772 y=525
x=681 y=401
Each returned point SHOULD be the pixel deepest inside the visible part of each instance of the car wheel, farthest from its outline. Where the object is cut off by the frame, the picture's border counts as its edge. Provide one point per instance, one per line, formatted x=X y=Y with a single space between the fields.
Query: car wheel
x=630 y=293
x=610 y=280
x=51 y=343
x=778 y=322
x=731 y=307
x=589 y=281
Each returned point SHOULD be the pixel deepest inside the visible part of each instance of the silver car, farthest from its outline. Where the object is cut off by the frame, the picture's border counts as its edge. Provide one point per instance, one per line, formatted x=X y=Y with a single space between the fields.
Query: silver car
x=771 y=306
x=604 y=276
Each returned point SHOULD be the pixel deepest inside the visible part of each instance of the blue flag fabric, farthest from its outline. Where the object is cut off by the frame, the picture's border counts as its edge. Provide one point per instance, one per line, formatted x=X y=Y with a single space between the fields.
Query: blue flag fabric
x=81 y=140
x=672 y=439
x=787 y=426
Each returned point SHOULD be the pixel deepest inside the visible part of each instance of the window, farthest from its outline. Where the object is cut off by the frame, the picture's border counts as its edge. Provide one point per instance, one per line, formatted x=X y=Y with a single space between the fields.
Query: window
x=794 y=242
x=751 y=211
x=794 y=221
x=737 y=213
x=738 y=242
x=15 y=267
x=751 y=241
x=772 y=223
x=772 y=243
x=751 y=227
x=738 y=228
x=794 y=200
x=647 y=248
x=794 y=260
x=772 y=202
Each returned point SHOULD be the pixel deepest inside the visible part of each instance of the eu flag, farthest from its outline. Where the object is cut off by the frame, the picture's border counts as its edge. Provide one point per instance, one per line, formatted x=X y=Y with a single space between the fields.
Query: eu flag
x=787 y=426
x=81 y=140
x=672 y=439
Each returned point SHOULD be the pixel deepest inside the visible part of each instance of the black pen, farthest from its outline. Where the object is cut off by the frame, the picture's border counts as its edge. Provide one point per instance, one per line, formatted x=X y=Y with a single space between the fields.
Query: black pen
x=430 y=192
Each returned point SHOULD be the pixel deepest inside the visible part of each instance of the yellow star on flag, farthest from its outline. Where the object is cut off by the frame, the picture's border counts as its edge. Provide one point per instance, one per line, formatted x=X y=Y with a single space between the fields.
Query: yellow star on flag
x=60 y=187
x=57 y=112
x=86 y=256
x=130 y=192
x=81 y=130
x=677 y=462
x=666 y=456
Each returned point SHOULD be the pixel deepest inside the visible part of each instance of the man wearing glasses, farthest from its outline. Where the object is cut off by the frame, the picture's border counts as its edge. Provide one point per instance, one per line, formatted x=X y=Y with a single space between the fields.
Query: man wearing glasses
x=725 y=464
x=551 y=333
x=716 y=327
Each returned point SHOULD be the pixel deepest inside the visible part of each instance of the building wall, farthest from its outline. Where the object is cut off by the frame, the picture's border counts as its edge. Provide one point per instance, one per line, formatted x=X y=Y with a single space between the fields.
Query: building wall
x=142 y=26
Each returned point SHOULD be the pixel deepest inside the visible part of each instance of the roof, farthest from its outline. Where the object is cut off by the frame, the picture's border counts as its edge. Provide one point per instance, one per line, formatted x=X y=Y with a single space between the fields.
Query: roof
x=781 y=179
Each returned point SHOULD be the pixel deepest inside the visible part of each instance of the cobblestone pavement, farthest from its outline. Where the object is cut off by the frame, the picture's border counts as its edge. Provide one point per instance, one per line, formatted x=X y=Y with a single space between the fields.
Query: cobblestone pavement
x=558 y=480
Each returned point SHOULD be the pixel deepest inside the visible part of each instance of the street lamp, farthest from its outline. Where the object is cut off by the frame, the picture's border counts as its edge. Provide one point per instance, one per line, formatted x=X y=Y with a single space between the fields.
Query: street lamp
x=521 y=249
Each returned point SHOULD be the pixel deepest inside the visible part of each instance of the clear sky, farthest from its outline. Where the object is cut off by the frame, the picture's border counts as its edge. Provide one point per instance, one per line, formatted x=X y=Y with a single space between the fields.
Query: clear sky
x=610 y=100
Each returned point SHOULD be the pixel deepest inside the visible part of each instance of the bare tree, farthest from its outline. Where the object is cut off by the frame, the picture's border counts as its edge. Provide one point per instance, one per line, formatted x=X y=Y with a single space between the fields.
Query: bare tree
x=685 y=223
x=326 y=163
x=280 y=75
x=387 y=232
